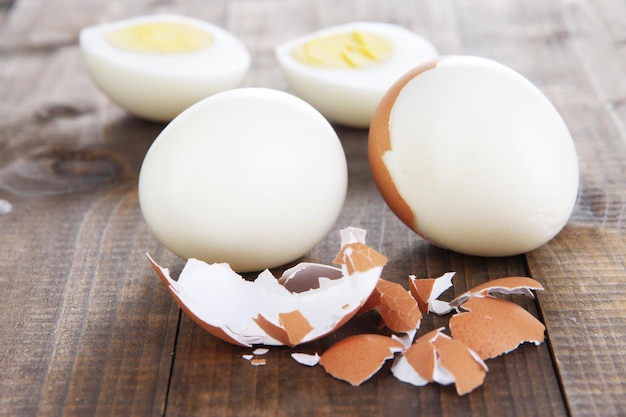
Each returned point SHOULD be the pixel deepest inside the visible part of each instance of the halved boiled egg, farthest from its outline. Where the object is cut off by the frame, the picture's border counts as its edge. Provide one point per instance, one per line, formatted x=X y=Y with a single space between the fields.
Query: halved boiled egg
x=253 y=177
x=344 y=71
x=156 y=66
x=473 y=157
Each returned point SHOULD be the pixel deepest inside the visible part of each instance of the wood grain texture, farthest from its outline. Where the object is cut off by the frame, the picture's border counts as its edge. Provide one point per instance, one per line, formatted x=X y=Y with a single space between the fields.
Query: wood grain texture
x=584 y=268
x=88 y=329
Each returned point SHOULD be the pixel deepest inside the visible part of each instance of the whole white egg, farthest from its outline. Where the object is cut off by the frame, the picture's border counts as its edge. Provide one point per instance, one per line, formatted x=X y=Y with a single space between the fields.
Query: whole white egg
x=156 y=66
x=474 y=157
x=253 y=177
x=344 y=70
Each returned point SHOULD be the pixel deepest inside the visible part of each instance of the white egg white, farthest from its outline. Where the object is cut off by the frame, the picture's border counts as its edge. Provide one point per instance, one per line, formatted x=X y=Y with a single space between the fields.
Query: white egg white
x=159 y=86
x=350 y=96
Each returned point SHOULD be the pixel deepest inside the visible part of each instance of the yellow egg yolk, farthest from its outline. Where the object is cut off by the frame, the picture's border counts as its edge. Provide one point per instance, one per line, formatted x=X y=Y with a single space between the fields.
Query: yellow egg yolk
x=344 y=50
x=160 y=37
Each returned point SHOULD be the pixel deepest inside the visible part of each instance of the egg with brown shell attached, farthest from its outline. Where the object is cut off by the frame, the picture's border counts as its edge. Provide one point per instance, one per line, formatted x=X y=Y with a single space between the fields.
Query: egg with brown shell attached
x=474 y=157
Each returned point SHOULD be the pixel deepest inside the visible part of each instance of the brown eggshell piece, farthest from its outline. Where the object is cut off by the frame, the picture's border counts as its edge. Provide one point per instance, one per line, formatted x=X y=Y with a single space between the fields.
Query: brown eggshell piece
x=398 y=309
x=492 y=326
x=468 y=372
x=420 y=290
x=421 y=357
x=359 y=257
x=357 y=358
x=436 y=357
x=506 y=285
x=258 y=361
x=292 y=328
x=427 y=290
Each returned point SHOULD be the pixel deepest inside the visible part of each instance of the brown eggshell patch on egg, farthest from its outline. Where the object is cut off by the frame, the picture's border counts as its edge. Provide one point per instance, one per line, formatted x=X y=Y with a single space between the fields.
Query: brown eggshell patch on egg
x=357 y=358
x=492 y=326
x=290 y=331
x=506 y=285
x=379 y=142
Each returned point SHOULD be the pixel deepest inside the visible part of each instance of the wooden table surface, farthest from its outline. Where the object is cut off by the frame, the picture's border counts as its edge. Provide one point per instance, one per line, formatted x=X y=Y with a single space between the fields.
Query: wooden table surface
x=86 y=327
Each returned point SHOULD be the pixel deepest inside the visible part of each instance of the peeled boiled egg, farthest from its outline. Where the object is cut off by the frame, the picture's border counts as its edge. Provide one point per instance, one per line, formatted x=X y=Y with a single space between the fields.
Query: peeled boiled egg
x=252 y=177
x=156 y=66
x=344 y=71
x=474 y=158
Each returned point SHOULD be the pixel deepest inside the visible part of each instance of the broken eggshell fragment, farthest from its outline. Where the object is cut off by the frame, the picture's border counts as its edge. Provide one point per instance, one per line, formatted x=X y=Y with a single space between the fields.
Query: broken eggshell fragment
x=492 y=326
x=265 y=311
x=398 y=309
x=357 y=358
x=506 y=285
x=426 y=292
x=437 y=357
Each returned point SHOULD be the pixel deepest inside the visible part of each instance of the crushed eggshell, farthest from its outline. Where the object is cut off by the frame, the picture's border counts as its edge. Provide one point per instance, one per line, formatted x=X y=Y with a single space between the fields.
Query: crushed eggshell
x=416 y=365
x=435 y=356
x=465 y=367
x=442 y=359
x=258 y=361
x=265 y=311
x=358 y=257
x=291 y=329
x=306 y=358
x=492 y=326
x=427 y=291
x=505 y=285
x=254 y=357
x=357 y=358
x=397 y=308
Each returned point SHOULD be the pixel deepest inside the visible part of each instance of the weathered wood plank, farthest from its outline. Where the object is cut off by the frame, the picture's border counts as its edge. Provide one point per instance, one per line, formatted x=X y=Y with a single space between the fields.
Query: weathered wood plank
x=85 y=329
x=584 y=269
x=584 y=308
x=5 y=5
